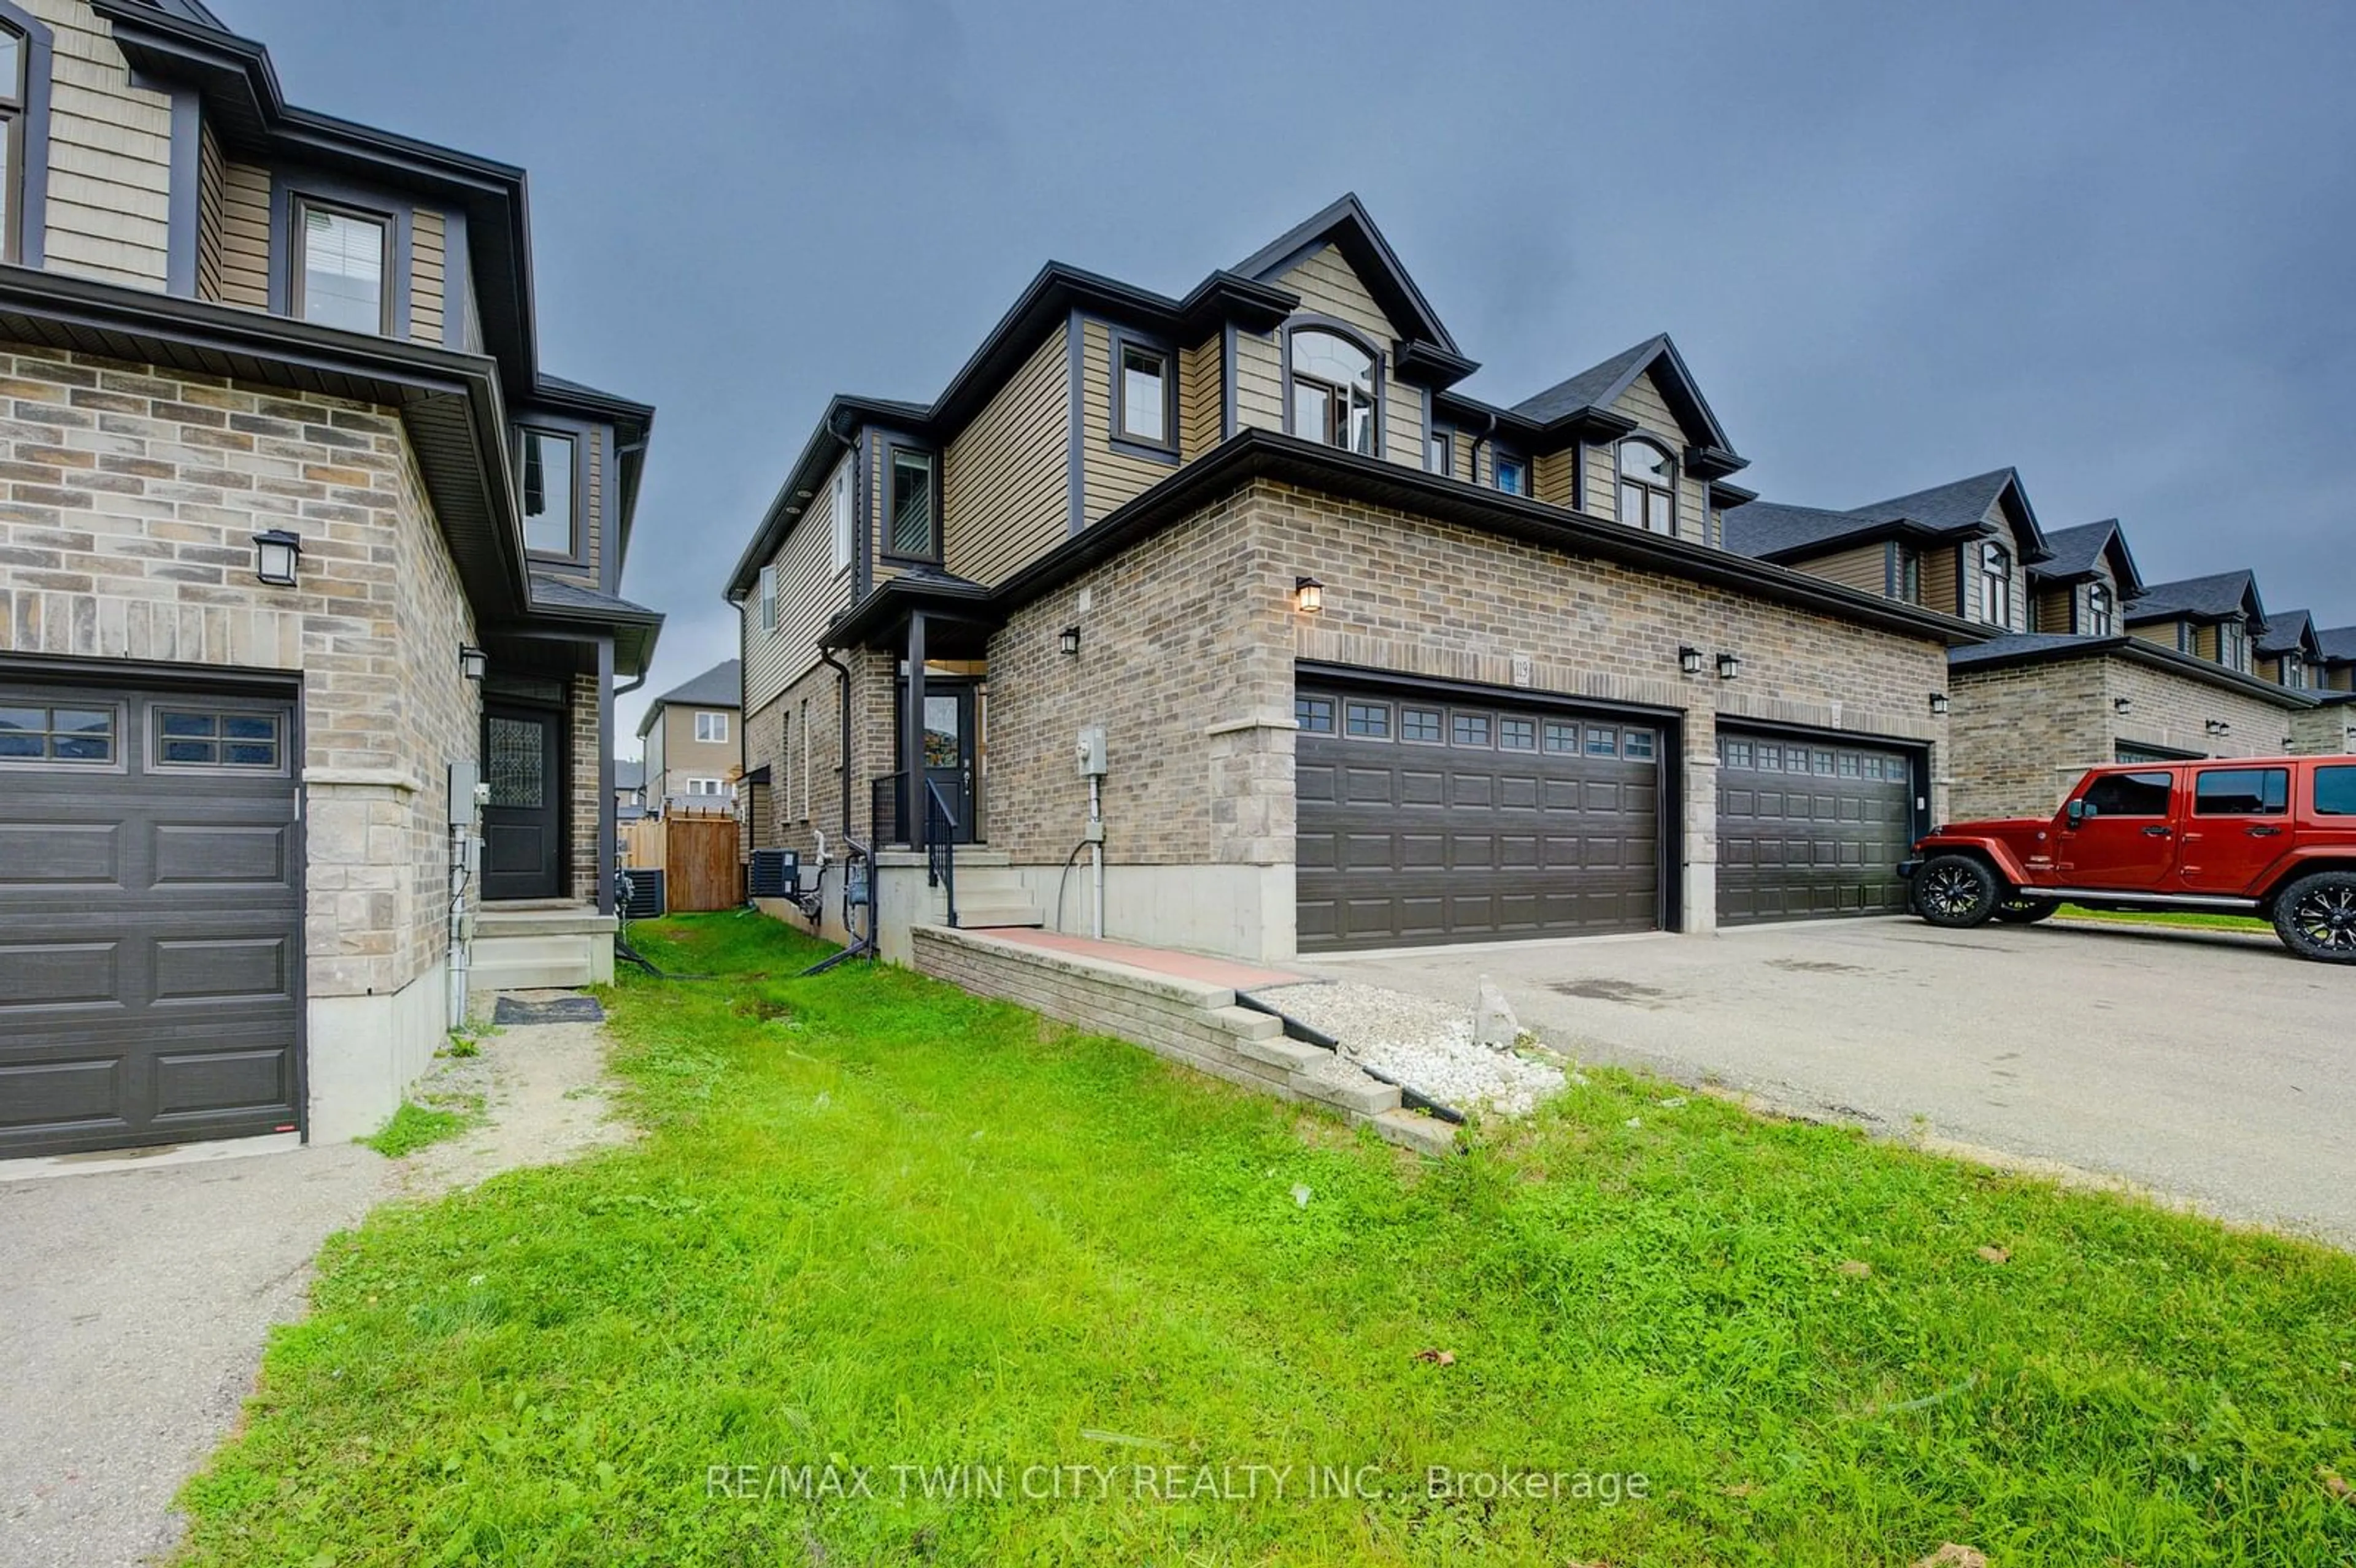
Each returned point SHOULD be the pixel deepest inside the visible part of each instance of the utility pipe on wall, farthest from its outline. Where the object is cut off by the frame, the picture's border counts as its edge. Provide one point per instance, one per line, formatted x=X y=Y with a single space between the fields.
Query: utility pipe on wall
x=1096 y=855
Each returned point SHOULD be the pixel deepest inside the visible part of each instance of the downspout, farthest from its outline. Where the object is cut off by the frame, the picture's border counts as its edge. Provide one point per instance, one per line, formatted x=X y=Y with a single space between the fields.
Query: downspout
x=1487 y=431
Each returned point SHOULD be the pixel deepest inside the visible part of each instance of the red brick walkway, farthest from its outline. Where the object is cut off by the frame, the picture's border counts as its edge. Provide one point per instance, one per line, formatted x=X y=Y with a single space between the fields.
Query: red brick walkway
x=1160 y=960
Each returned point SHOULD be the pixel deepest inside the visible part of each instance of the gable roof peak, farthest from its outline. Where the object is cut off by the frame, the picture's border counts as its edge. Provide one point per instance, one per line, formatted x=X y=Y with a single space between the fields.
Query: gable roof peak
x=1598 y=387
x=1345 y=224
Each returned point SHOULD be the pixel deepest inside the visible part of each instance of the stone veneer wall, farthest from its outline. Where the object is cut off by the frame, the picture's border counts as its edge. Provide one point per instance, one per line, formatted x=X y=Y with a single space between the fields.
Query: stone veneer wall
x=133 y=495
x=2322 y=731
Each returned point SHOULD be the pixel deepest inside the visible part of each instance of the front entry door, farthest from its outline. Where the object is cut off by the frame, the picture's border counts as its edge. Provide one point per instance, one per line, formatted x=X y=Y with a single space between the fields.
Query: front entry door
x=523 y=825
x=948 y=749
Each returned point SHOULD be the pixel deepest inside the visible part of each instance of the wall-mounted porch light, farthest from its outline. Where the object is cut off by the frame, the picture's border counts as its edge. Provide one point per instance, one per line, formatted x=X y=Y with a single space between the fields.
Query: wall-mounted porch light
x=1068 y=639
x=275 y=556
x=472 y=662
x=1728 y=665
x=1689 y=660
x=1939 y=704
x=2219 y=727
x=2122 y=704
x=1308 y=595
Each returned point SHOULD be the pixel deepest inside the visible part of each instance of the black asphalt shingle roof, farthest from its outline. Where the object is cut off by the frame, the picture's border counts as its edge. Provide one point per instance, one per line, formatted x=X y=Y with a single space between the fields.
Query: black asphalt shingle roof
x=2285 y=632
x=721 y=686
x=2012 y=645
x=2211 y=598
x=1592 y=387
x=1943 y=508
x=2339 y=644
x=1770 y=527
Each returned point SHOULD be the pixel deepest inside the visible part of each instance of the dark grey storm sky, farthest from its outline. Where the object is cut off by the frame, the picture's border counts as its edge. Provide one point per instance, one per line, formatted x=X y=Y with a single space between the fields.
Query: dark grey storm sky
x=2111 y=245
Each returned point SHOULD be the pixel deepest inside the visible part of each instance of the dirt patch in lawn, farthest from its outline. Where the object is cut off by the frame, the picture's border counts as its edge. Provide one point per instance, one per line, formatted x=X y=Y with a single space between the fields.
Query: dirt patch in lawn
x=545 y=1098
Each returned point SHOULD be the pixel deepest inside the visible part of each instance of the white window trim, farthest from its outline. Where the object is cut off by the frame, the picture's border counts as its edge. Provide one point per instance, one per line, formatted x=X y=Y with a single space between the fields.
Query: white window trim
x=719 y=722
x=706 y=787
x=846 y=517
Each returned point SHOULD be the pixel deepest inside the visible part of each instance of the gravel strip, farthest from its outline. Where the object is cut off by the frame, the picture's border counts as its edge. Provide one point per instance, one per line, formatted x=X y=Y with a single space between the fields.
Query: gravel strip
x=1425 y=1044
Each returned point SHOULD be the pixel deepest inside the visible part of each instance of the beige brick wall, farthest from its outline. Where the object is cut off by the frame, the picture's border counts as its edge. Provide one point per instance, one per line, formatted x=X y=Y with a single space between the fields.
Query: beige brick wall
x=803 y=755
x=1189 y=643
x=589 y=803
x=2024 y=733
x=125 y=533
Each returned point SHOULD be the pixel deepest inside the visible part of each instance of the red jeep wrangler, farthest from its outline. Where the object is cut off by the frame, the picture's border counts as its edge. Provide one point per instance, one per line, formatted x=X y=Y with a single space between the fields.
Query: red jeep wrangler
x=2272 y=836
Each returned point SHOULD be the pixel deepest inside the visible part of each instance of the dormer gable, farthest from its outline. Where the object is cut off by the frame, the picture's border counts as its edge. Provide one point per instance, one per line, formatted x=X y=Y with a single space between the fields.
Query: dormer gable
x=1347 y=228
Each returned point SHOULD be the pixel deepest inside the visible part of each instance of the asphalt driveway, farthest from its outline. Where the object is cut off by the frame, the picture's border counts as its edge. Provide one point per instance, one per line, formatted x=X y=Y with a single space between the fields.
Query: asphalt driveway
x=2207 y=1066
x=134 y=1304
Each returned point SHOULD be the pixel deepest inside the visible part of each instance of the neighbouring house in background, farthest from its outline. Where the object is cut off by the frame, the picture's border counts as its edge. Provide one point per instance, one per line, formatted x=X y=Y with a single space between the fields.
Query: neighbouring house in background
x=1365 y=660
x=629 y=788
x=695 y=751
x=2286 y=651
x=299 y=537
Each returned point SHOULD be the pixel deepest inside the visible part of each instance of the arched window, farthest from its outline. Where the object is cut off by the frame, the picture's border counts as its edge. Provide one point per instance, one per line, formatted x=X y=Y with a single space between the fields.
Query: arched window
x=14 y=49
x=1649 y=487
x=1332 y=391
x=2098 y=610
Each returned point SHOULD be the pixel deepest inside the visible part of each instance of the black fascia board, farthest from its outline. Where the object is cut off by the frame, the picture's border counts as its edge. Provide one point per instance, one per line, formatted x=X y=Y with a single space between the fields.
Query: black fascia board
x=1256 y=454
x=2155 y=656
x=240 y=87
x=452 y=403
x=1422 y=364
x=889 y=602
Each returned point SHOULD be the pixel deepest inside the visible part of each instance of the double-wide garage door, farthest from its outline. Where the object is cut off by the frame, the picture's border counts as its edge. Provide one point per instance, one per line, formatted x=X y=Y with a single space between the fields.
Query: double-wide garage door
x=1810 y=828
x=1427 y=819
x=150 y=917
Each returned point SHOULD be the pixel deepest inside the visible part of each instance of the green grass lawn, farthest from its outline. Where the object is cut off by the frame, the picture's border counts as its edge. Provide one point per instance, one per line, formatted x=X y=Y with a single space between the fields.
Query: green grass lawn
x=2189 y=919
x=879 y=1225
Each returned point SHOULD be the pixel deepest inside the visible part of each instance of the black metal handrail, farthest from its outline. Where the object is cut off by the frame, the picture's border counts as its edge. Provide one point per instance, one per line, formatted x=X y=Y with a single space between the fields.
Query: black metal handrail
x=887 y=808
x=941 y=846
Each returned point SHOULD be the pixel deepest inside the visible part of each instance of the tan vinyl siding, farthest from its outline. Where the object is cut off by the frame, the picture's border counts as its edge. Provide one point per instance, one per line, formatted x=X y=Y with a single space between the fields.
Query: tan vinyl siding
x=1260 y=381
x=2161 y=632
x=209 y=212
x=810 y=593
x=2204 y=641
x=1643 y=403
x=2053 y=607
x=245 y=236
x=1940 y=564
x=1865 y=568
x=1556 y=478
x=1005 y=485
x=1201 y=394
x=427 y=246
x=1109 y=476
x=1602 y=482
x=110 y=157
x=1327 y=286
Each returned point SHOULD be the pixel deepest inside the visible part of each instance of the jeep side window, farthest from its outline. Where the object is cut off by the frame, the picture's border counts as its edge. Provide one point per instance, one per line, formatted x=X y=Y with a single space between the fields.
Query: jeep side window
x=2128 y=795
x=2335 y=792
x=2240 y=792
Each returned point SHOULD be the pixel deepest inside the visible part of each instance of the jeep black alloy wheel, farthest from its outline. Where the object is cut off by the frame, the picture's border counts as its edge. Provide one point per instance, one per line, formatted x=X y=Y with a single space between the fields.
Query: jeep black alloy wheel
x=1955 y=892
x=2316 y=917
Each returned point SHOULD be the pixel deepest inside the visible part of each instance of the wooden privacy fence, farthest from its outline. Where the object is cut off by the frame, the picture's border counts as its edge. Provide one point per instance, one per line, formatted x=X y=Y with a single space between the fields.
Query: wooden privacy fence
x=695 y=849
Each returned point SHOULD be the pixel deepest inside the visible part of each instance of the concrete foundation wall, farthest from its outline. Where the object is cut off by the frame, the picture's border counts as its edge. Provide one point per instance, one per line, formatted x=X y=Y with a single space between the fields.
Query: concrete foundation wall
x=364 y=1052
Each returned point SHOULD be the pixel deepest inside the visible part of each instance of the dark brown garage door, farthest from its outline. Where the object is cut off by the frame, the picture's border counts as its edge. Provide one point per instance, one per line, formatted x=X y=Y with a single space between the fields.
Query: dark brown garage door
x=1427 y=820
x=1810 y=828
x=150 y=919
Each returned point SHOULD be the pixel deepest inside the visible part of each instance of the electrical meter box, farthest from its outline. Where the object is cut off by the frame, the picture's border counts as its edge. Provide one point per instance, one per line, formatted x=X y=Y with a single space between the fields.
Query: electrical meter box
x=461 y=795
x=1092 y=752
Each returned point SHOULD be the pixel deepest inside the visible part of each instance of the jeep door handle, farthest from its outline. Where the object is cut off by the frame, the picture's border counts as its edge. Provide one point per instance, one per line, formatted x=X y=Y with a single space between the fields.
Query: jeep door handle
x=2265 y=832
x=2156 y=832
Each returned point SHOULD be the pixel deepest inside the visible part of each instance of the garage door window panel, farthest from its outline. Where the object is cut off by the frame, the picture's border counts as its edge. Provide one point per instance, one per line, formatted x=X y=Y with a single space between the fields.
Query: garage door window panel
x=1470 y=730
x=215 y=739
x=1561 y=737
x=34 y=736
x=1314 y=714
x=1369 y=721
x=1420 y=726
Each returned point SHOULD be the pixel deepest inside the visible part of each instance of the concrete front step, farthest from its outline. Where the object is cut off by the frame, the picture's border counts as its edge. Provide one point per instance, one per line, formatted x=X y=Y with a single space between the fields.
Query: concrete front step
x=551 y=974
x=970 y=916
x=506 y=924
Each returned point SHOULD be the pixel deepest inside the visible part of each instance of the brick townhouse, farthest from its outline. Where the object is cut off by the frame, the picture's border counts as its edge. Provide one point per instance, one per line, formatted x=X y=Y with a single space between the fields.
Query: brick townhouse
x=296 y=536
x=1373 y=661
